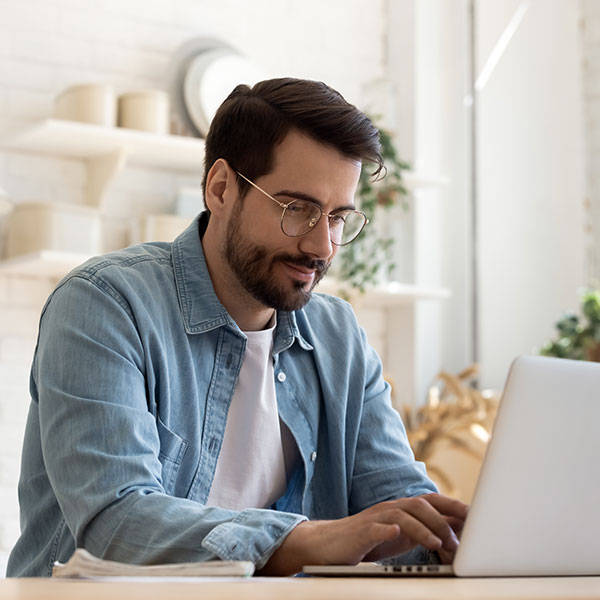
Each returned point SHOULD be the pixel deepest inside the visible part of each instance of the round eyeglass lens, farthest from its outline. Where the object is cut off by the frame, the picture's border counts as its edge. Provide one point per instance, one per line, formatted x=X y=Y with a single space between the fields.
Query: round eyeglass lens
x=300 y=217
x=345 y=226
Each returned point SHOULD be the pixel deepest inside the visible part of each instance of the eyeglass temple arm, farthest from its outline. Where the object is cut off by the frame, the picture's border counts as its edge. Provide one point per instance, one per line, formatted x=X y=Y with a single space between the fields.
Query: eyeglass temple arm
x=262 y=191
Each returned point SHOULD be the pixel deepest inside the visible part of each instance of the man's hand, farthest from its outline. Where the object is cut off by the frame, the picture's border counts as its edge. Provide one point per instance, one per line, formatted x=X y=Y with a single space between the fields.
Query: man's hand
x=381 y=531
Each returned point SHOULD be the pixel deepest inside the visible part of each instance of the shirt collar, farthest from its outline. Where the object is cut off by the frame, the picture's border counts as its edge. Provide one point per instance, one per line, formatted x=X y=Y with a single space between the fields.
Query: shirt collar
x=201 y=309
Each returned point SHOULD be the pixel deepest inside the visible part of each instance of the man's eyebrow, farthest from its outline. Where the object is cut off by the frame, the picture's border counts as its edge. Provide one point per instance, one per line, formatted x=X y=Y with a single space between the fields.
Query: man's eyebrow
x=302 y=196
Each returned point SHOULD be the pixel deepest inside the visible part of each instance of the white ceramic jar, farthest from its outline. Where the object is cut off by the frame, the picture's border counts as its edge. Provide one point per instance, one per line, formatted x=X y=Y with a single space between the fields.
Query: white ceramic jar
x=93 y=103
x=36 y=226
x=146 y=110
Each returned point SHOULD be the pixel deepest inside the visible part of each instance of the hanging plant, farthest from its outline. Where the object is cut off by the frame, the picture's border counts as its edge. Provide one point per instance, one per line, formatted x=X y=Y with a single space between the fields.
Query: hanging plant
x=361 y=263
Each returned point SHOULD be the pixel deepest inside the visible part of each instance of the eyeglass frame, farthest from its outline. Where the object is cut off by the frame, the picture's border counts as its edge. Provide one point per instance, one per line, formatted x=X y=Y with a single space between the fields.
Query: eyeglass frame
x=285 y=206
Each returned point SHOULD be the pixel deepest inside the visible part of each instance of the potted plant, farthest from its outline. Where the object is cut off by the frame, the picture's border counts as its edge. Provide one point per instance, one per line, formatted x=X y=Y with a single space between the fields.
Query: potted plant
x=362 y=263
x=578 y=337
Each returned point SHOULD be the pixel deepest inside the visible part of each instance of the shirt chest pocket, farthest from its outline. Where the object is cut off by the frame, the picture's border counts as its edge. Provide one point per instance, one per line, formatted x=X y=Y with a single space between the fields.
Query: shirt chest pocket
x=172 y=451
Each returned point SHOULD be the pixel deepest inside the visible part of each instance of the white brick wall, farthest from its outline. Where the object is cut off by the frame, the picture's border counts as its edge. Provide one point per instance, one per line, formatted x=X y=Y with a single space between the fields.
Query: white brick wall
x=46 y=45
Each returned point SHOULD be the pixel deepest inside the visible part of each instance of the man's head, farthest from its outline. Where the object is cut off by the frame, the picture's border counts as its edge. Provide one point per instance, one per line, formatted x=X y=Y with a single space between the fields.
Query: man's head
x=271 y=148
x=252 y=121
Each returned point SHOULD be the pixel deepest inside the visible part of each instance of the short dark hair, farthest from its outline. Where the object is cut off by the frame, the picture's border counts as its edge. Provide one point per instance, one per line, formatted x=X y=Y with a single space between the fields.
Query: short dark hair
x=253 y=120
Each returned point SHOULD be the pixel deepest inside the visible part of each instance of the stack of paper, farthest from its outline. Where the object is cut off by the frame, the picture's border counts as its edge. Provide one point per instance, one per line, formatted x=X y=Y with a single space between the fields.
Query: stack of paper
x=83 y=565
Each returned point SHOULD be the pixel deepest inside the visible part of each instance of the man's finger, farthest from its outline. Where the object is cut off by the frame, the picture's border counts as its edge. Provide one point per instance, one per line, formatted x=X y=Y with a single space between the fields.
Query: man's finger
x=364 y=540
x=447 y=506
x=383 y=532
x=423 y=511
x=412 y=527
x=456 y=524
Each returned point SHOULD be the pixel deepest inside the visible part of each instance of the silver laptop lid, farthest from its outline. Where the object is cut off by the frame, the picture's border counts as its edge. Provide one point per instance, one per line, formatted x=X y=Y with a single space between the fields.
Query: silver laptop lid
x=536 y=507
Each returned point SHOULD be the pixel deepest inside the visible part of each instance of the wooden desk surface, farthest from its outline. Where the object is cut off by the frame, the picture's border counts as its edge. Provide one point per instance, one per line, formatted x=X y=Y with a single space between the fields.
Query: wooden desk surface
x=261 y=588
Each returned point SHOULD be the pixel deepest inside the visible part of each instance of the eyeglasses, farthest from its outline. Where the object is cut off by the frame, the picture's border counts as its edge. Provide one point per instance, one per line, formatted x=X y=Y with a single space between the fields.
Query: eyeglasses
x=300 y=217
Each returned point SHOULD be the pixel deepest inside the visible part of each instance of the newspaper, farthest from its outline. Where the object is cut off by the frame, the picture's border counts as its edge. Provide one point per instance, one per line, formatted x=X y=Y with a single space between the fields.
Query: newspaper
x=82 y=565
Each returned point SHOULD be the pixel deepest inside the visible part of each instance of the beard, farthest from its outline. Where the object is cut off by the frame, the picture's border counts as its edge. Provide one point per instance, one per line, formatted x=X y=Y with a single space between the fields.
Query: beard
x=253 y=266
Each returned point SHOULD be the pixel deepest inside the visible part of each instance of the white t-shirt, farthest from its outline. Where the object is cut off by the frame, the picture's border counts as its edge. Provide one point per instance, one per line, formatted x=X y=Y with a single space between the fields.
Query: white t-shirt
x=251 y=470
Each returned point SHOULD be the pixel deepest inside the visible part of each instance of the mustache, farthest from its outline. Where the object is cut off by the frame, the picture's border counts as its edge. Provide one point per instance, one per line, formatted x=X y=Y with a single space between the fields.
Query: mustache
x=320 y=266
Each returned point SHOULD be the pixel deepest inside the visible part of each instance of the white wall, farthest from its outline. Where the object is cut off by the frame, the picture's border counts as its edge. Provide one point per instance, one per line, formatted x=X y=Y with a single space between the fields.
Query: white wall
x=427 y=65
x=530 y=179
x=529 y=166
x=442 y=217
x=46 y=45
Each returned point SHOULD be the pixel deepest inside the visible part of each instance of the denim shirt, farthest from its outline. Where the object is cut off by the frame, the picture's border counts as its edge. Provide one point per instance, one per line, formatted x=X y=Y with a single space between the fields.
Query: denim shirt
x=134 y=370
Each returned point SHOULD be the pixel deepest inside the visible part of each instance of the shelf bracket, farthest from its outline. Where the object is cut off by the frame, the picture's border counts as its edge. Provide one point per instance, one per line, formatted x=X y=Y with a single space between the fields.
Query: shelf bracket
x=101 y=170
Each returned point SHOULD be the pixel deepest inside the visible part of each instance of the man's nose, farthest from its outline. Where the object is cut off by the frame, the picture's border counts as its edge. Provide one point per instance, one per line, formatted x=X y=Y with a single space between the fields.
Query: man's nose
x=317 y=241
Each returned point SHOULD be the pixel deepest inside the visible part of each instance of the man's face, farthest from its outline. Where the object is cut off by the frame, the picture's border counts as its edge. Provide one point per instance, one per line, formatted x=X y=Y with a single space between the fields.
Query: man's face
x=276 y=270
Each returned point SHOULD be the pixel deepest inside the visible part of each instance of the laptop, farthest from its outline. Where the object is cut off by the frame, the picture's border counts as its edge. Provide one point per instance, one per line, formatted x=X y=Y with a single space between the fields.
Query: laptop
x=536 y=506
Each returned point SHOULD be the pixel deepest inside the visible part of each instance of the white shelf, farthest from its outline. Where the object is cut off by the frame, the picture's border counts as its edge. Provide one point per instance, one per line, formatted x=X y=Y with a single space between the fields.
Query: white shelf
x=80 y=140
x=414 y=180
x=385 y=296
x=45 y=263
x=56 y=264
x=107 y=150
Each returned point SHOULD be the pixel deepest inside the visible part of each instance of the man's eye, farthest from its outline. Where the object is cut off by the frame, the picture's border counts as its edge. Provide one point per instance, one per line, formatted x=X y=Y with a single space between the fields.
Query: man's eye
x=301 y=209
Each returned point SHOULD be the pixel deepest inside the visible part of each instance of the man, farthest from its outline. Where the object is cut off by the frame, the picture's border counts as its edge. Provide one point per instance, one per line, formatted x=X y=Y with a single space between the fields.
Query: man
x=194 y=401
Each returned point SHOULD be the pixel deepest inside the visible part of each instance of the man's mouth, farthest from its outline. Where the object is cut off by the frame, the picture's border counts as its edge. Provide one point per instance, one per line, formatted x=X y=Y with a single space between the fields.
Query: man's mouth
x=301 y=273
x=305 y=270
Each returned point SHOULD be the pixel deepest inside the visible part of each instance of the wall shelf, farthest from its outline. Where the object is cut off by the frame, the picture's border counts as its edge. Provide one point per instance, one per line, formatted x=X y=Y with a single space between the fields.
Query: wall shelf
x=415 y=180
x=389 y=295
x=56 y=264
x=80 y=140
x=107 y=150
x=45 y=263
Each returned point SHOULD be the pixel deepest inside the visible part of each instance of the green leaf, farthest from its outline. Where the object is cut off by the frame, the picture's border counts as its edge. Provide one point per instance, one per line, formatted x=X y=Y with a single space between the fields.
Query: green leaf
x=578 y=336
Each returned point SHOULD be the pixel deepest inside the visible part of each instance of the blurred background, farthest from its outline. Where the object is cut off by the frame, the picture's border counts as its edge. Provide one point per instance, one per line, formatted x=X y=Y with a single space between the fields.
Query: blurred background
x=493 y=104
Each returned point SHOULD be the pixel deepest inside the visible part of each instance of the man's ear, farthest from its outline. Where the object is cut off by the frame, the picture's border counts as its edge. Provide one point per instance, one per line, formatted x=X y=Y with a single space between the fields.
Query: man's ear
x=220 y=183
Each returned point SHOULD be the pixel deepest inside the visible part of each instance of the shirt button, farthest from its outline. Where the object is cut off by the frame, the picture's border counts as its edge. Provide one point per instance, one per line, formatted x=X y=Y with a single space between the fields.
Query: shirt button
x=281 y=376
x=313 y=456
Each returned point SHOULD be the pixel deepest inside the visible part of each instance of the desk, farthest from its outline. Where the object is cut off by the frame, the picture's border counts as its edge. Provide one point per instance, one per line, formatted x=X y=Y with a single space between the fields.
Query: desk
x=262 y=588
